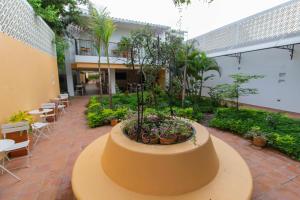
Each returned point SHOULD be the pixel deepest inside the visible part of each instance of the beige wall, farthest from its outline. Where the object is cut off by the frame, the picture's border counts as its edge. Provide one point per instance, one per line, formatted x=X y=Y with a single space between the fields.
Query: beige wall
x=28 y=77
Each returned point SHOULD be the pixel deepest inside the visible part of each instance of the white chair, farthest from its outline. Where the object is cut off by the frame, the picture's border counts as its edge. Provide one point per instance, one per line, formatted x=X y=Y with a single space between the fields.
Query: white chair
x=20 y=127
x=65 y=99
x=38 y=130
x=51 y=114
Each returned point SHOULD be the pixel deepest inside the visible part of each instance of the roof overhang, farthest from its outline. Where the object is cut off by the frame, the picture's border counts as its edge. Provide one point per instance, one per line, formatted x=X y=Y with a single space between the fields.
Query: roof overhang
x=94 y=66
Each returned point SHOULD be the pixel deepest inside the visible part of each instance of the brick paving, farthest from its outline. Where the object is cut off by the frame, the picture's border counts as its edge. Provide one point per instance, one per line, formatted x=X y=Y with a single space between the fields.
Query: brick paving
x=49 y=176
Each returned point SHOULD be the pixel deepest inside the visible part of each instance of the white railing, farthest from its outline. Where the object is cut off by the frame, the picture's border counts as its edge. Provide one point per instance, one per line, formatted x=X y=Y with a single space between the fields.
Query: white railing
x=278 y=23
x=18 y=20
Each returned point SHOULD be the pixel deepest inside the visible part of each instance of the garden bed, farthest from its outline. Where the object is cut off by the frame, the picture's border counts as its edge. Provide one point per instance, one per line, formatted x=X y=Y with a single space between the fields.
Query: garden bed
x=99 y=113
x=159 y=130
x=281 y=132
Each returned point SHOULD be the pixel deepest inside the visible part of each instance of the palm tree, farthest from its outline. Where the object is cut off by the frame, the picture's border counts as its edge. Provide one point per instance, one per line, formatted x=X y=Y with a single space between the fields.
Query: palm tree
x=96 y=25
x=109 y=28
x=201 y=64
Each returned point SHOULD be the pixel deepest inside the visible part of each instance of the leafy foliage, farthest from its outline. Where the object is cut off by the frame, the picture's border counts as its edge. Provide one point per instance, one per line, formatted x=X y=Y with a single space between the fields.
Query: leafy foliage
x=282 y=133
x=58 y=15
x=21 y=116
x=236 y=90
x=198 y=66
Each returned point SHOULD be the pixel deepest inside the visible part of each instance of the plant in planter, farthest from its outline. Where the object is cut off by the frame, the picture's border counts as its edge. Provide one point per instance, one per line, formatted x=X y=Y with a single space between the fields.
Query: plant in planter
x=17 y=136
x=184 y=131
x=259 y=138
x=130 y=129
x=167 y=134
x=118 y=115
x=150 y=136
x=159 y=130
x=21 y=116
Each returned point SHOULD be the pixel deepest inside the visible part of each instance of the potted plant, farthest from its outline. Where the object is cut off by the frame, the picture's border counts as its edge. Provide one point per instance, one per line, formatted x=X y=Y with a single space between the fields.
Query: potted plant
x=17 y=136
x=117 y=115
x=114 y=121
x=259 y=138
x=167 y=135
x=130 y=129
x=150 y=136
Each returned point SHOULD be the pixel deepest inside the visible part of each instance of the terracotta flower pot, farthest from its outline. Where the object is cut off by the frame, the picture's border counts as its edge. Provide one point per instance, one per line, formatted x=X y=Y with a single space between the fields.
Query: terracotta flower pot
x=154 y=139
x=182 y=138
x=114 y=122
x=168 y=139
x=259 y=141
x=132 y=136
x=145 y=138
x=150 y=139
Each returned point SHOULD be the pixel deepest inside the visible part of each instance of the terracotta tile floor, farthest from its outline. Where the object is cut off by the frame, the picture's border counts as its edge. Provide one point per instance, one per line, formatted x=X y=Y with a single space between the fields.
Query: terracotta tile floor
x=275 y=176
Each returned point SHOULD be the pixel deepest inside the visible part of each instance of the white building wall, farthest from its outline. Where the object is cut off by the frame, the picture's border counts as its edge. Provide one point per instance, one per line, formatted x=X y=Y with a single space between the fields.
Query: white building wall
x=279 y=89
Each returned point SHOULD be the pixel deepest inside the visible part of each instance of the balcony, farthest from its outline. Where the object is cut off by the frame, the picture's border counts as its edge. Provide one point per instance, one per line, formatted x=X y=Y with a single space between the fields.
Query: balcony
x=87 y=48
x=86 y=53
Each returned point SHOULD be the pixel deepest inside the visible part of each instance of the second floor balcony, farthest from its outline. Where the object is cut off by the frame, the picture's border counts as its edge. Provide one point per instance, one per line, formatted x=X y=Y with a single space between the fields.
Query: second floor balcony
x=87 y=48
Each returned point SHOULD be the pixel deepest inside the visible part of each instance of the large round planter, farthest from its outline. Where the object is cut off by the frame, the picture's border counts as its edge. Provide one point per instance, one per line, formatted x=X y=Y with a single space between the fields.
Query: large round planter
x=116 y=167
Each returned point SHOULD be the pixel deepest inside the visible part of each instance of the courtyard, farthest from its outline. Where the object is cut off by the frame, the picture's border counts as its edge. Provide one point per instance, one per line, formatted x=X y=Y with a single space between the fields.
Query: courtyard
x=49 y=176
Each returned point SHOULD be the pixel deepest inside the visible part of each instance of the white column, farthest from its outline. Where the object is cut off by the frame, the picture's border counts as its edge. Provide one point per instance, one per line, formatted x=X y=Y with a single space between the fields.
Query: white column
x=113 y=80
x=69 y=58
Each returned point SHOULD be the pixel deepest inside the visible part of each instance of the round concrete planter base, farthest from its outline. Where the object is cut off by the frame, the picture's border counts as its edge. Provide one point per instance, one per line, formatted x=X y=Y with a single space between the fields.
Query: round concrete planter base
x=115 y=167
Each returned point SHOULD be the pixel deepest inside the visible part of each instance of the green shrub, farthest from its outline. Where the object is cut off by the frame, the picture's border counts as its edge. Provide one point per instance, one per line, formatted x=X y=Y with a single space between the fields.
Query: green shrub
x=120 y=113
x=283 y=133
x=99 y=118
x=188 y=113
x=288 y=143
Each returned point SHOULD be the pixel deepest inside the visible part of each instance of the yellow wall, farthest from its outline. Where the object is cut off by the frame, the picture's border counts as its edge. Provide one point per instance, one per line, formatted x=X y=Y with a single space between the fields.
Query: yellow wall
x=28 y=77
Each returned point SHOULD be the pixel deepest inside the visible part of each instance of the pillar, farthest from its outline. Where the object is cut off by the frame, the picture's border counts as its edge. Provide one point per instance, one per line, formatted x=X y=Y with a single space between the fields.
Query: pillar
x=112 y=78
x=69 y=58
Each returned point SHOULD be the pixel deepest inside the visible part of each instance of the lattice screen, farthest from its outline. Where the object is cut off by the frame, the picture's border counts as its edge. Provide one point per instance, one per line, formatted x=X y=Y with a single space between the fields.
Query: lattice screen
x=280 y=22
x=18 y=20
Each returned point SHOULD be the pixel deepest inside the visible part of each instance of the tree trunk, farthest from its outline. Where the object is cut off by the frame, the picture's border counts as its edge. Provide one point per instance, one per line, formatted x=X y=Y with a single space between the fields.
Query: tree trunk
x=100 y=78
x=237 y=98
x=201 y=84
x=183 y=86
x=109 y=81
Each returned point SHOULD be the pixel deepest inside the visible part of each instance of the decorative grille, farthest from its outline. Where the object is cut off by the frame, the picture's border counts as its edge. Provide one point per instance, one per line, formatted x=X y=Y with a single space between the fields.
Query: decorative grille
x=278 y=23
x=18 y=20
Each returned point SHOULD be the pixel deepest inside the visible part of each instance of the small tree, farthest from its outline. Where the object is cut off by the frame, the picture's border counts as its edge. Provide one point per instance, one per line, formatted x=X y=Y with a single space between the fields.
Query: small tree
x=236 y=90
x=96 y=25
x=171 y=49
x=199 y=64
x=109 y=28
x=136 y=46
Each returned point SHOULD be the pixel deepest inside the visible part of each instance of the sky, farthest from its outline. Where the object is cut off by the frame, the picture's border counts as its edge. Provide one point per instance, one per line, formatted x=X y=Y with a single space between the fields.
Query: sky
x=197 y=18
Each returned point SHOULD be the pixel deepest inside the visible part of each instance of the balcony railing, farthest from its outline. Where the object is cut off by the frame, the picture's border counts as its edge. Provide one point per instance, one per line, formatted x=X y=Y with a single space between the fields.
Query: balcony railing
x=87 y=48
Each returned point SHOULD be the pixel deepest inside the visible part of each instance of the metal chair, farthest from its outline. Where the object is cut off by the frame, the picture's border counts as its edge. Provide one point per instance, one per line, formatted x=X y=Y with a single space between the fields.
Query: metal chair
x=38 y=130
x=51 y=115
x=19 y=127
x=65 y=99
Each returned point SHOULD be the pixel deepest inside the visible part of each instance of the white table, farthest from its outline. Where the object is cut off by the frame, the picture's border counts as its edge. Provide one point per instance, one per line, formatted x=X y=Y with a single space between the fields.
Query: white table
x=39 y=112
x=60 y=98
x=5 y=144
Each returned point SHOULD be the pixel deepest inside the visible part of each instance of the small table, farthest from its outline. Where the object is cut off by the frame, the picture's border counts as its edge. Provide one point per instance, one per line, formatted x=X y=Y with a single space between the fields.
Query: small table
x=39 y=112
x=5 y=144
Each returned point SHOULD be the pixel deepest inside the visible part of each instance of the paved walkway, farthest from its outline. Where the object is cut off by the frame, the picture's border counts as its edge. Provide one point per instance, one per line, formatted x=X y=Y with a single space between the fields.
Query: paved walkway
x=275 y=176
